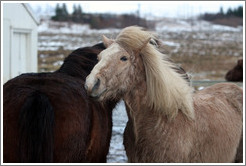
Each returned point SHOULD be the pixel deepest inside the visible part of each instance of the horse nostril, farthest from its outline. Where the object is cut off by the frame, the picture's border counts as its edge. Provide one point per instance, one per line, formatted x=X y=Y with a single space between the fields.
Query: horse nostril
x=91 y=86
x=97 y=84
x=86 y=87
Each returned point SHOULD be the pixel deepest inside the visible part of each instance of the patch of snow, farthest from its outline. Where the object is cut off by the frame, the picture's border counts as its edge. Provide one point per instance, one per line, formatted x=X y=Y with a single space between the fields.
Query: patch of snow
x=178 y=25
x=47 y=48
x=201 y=88
x=71 y=28
x=225 y=28
x=43 y=56
x=117 y=152
x=169 y=43
x=58 y=63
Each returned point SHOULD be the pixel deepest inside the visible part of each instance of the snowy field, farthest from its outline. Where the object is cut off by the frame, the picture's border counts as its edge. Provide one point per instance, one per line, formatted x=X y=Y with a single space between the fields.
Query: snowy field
x=117 y=152
x=53 y=35
x=203 y=49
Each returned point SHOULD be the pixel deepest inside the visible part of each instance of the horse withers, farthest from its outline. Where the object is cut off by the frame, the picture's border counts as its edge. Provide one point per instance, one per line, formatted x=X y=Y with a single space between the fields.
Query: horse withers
x=47 y=117
x=168 y=122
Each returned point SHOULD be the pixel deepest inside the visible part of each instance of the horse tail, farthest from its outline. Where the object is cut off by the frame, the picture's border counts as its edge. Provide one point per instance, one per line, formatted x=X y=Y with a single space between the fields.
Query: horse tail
x=36 y=122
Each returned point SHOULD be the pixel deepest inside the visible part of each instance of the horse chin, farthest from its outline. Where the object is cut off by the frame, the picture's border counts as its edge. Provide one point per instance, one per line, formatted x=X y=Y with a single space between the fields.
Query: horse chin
x=98 y=96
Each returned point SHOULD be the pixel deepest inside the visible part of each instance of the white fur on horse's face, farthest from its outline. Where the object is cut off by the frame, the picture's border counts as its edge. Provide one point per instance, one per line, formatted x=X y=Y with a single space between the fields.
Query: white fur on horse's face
x=112 y=72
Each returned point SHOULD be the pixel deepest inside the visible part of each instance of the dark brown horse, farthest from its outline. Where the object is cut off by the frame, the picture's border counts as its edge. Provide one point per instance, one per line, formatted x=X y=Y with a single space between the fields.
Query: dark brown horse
x=47 y=117
x=236 y=73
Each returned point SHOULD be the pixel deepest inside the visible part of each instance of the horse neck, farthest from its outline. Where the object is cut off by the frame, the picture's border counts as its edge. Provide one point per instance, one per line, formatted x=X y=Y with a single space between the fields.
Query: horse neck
x=76 y=67
x=136 y=100
x=81 y=61
x=136 y=91
x=147 y=122
x=138 y=110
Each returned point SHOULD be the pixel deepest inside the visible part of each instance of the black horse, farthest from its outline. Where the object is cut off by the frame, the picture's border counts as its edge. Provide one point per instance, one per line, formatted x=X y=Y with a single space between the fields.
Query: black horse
x=47 y=117
x=236 y=73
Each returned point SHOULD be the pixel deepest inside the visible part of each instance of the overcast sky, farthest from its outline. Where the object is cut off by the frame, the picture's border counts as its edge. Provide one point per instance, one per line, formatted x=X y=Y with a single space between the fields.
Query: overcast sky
x=146 y=8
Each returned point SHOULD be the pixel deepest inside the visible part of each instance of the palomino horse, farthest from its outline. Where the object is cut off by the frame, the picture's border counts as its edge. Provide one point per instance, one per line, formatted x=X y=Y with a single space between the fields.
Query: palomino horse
x=168 y=122
x=47 y=117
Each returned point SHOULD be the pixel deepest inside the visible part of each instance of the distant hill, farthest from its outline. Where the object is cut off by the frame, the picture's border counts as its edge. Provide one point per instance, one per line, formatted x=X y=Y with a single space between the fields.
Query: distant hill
x=233 y=17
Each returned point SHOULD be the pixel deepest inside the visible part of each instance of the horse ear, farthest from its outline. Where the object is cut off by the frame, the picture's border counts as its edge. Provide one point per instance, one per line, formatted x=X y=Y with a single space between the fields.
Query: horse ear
x=144 y=44
x=240 y=62
x=106 y=41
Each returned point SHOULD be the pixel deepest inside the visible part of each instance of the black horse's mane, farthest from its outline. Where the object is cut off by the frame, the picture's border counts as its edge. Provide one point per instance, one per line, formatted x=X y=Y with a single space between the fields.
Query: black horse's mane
x=80 y=66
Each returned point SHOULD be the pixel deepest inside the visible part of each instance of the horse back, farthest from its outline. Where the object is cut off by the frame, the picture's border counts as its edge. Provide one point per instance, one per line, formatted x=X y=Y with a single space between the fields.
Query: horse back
x=219 y=122
x=80 y=125
x=230 y=92
x=28 y=120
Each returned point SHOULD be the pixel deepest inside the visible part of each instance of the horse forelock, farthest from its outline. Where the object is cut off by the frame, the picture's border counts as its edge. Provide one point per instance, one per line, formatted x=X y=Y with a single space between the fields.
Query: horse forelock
x=167 y=91
x=134 y=38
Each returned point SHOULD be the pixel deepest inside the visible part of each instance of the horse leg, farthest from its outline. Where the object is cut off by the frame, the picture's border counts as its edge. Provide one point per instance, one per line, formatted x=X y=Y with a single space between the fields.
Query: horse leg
x=129 y=137
x=129 y=141
x=239 y=155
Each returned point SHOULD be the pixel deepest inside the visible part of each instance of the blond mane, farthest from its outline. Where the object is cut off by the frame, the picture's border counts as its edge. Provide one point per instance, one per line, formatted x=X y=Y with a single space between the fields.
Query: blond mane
x=167 y=91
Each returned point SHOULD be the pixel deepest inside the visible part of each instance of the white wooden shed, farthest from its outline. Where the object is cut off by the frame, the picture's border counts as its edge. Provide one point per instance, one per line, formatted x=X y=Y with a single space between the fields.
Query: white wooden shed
x=19 y=40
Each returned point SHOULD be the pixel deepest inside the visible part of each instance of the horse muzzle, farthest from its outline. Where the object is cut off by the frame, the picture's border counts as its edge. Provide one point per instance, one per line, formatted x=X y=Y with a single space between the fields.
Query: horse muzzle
x=93 y=88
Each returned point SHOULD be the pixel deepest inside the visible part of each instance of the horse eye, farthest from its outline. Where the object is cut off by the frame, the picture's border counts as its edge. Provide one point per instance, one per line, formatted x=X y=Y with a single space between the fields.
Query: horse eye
x=124 y=58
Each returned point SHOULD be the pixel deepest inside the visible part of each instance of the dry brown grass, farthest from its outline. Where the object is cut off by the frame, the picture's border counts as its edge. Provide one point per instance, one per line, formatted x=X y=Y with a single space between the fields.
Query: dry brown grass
x=209 y=57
